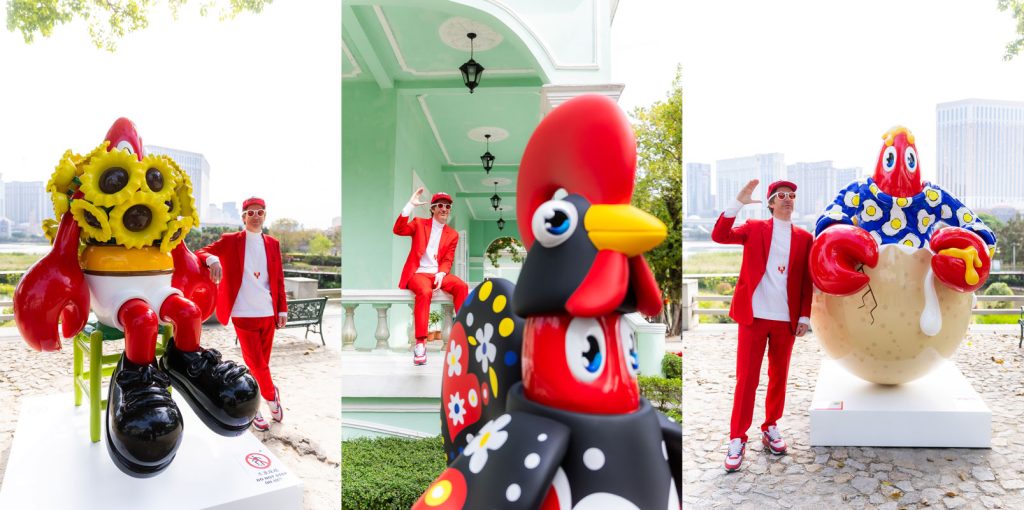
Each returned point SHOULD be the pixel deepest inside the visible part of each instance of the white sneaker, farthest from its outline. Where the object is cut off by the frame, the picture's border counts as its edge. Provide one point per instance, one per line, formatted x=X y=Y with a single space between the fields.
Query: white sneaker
x=276 y=410
x=734 y=457
x=772 y=439
x=259 y=423
x=419 y=354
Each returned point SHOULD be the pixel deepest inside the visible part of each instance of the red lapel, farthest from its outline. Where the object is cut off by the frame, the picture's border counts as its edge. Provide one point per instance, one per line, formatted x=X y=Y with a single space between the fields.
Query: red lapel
x=766 y=241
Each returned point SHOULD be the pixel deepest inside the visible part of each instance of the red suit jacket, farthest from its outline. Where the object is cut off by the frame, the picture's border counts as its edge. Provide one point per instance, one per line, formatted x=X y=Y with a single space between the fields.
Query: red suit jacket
x=230 y=249
x=756 y=238
x=419 y=230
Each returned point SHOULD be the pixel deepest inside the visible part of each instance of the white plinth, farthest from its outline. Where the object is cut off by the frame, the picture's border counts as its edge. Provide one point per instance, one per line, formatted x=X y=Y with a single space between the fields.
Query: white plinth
x=54 y=465
x=940 y=409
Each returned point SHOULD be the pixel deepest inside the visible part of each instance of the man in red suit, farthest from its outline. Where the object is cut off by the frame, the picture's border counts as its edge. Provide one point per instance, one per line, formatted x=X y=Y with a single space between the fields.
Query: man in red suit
x=252 y=295
x=771 y=304
x=429 y=264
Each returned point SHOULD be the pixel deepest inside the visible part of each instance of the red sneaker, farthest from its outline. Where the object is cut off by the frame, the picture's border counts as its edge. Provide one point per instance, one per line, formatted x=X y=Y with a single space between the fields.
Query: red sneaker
x=259 y=423
x=773 y=440
x=419 y=354
x=734 y=458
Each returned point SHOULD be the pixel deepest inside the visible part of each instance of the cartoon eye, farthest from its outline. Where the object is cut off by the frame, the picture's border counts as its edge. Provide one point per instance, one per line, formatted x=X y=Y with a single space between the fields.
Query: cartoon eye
x=125 y=146
x=910 y=157
x=628 y=337
x=585 y=349
x=889 y=159
x=554 y=222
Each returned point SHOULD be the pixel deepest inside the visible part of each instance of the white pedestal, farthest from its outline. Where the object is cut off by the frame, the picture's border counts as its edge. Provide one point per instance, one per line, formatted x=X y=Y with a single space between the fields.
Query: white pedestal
x=54 y=465
x=940 y=409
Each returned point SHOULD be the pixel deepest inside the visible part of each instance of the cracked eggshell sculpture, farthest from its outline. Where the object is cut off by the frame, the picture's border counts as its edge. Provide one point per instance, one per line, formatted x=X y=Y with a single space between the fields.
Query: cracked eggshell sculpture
x=876 y=333
x=896 y=261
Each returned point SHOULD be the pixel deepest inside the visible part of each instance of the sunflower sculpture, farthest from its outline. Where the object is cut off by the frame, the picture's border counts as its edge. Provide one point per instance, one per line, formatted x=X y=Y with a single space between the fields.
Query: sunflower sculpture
x=119 y=200
x=119 y=252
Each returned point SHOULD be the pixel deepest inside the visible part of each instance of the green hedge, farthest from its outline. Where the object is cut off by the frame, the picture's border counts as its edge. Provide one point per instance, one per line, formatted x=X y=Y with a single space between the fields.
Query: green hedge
x=666 y=395
x=388 y=473
x=314 y=260
x=672 y=366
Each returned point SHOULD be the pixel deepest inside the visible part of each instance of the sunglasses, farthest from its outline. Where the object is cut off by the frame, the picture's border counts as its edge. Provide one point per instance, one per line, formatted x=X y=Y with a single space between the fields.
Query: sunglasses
x=442 y=205
x=784 y=195
x=255 y=212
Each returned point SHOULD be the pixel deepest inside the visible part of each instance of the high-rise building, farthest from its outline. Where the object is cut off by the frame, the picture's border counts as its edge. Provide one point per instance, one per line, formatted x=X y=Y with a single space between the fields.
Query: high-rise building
x=198 y=169
x=699 y=200
x=818 y=185
x=230 y=212
x=732 y=174
x=27 y=206
x=980 y=152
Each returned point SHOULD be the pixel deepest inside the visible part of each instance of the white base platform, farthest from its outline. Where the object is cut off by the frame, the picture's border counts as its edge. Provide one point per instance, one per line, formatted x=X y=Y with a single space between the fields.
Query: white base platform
x=940 y=409
x=54 y=465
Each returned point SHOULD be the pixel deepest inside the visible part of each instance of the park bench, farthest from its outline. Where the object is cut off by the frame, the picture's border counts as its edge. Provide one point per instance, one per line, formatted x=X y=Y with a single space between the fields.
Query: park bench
x=1021 y=322
x=308 y=313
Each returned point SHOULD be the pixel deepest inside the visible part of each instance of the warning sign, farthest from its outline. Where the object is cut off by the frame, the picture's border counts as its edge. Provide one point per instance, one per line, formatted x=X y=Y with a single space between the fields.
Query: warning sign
x=257 y=460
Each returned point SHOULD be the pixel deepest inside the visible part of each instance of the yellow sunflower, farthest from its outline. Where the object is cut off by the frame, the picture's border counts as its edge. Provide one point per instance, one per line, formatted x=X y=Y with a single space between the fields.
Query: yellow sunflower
x=187 y=202
x=139 y=221
x=173 y=206
x=62 y=174
x=109 y=179
x=176 y=232
x=61 y=203
x=93 y=220
x=50 y=229
x=159 y=177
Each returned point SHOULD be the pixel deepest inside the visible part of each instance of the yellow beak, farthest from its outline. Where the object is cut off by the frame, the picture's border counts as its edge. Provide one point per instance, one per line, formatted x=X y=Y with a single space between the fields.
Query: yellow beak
x=623 y=228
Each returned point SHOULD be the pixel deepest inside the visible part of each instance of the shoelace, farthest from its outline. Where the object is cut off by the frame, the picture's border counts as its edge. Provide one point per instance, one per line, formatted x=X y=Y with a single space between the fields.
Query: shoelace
x=147 y=387
x=773 y=434
x=735 y=448
x=226 y=371
x=148 y=375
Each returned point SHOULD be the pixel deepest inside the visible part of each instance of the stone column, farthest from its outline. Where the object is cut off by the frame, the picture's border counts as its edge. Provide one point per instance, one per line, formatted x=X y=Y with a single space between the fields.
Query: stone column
x=689 y=302
x=382 y=333
x=348 y=329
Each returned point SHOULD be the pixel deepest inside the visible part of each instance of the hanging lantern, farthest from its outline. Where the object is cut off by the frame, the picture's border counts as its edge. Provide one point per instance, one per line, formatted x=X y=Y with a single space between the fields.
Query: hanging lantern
x=471 y=70
x=488 y=159
x=495 y=199
x=501 y=221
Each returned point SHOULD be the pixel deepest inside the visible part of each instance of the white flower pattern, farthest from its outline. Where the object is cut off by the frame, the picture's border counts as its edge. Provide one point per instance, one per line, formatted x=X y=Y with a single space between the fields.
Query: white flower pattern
x=491 y=437
x=871 y=211
x=456 y=409
x=851 y=199
x=964 y=216
x=454 y=359
x=486 y=351
x=945 y=212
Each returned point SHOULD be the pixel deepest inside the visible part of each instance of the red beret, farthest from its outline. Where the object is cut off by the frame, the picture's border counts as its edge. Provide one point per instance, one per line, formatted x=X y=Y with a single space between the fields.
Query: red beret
x=778 y=184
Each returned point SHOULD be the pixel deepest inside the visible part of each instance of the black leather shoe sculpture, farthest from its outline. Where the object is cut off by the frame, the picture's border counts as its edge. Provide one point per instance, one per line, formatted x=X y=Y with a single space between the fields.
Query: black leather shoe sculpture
x=143 y=423
x=222 y=393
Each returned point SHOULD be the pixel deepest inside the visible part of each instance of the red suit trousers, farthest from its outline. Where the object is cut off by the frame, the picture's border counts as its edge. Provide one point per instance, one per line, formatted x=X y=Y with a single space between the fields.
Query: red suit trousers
x=422 y=286
x=753 y=339
x=256 y=337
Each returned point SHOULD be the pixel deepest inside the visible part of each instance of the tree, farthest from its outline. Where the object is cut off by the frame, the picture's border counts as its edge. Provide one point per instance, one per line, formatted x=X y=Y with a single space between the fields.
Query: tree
x=109 y=21
x=1014 y=47
x=286 y=230
x=659 y=190
x=506 y=245
x=320 y=244
x=201 y=238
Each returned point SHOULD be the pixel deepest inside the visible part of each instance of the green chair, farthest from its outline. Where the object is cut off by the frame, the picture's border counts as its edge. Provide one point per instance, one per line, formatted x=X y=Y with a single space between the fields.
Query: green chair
x=89 y=344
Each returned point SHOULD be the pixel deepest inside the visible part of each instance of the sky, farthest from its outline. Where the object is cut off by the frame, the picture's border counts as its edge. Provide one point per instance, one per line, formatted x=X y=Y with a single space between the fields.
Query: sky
x=645 y=50
x=823 y=80
x=259 y=96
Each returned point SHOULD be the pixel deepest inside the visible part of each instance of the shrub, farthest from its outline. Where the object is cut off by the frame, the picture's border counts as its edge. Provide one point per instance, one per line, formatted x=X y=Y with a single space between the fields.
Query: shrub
x=999 y=289
x=388 y=472
x=724 y=288
x=666 y=395
x=672 y=366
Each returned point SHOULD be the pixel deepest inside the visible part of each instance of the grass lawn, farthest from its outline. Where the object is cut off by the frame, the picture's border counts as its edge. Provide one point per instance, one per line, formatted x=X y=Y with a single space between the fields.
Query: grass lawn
x=717 y=262
x=17 y=261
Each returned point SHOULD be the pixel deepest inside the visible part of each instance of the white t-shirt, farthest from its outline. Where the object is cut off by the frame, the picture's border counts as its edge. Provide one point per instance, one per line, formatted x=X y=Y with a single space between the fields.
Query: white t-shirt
x=771 y=297
x=253 y=298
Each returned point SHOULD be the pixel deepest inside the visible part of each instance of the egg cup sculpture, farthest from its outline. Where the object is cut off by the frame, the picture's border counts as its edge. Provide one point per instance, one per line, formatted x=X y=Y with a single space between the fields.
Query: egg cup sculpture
x=896 y=260
x=540 y=402
x=119 y=245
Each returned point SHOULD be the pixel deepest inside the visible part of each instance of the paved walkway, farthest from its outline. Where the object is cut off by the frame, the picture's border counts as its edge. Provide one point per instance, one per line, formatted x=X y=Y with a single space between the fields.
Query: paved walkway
x=308 y=375
x=848 y=477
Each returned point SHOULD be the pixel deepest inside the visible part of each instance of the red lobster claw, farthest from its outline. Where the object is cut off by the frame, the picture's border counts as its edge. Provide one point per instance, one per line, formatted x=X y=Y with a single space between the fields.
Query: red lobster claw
x=192 y=278
x=53 y=288
x=954 y=249
x=835 y=255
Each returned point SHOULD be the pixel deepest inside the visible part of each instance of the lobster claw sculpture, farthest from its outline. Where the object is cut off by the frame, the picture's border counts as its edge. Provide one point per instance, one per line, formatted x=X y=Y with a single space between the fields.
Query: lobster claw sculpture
x=53 y=290
x=120 y=248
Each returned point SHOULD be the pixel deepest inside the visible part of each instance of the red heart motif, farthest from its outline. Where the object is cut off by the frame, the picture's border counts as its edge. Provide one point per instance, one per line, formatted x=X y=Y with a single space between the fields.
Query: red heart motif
x=462 y=400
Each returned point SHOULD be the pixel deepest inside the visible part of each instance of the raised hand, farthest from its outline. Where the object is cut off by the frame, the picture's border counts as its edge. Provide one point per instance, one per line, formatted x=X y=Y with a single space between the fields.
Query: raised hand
x=835 y=255
x=747 y=192
x=961 y=259
x=415 y=198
